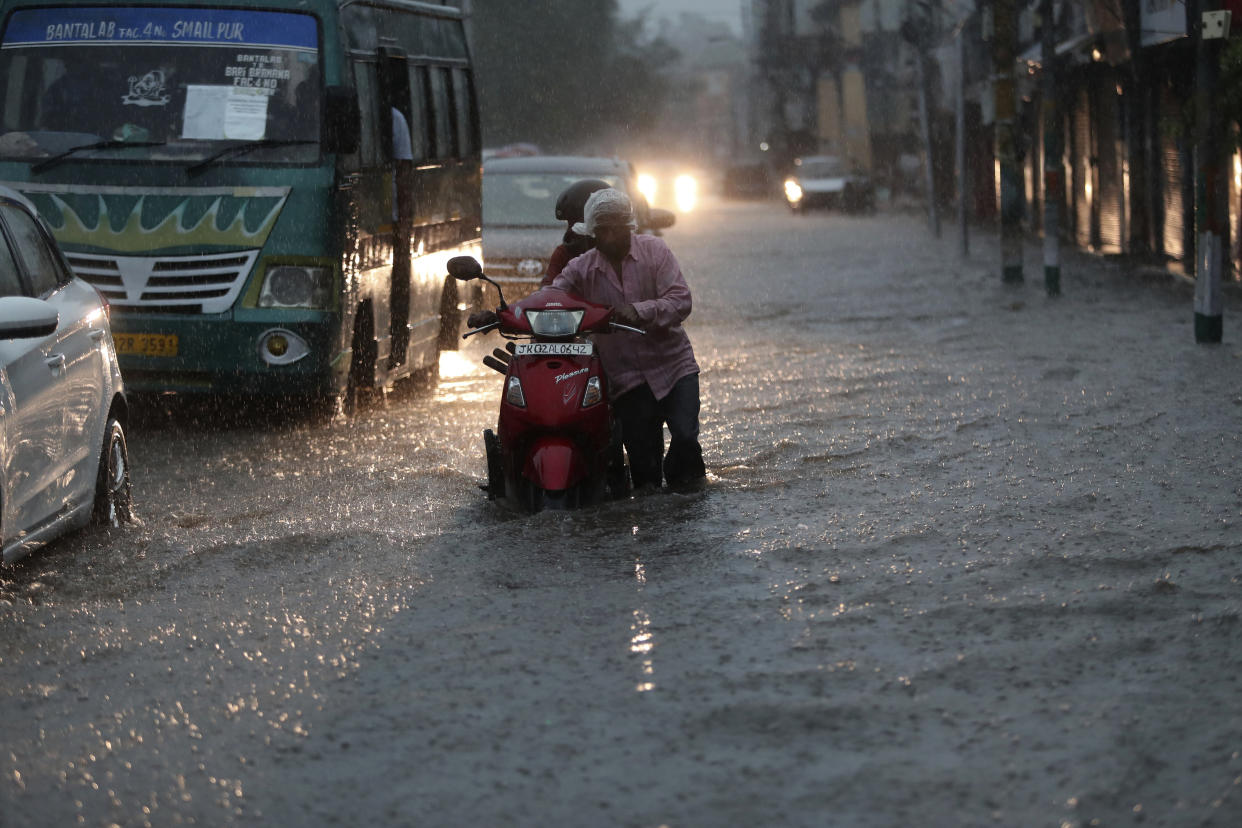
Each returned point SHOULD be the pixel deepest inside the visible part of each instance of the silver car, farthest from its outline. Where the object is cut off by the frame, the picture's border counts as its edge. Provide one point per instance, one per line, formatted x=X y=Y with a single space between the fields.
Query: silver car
x=63 y=456
x=520 y=228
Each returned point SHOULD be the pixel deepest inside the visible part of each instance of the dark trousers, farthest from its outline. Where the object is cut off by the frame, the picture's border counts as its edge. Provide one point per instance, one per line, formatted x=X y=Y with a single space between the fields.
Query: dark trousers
x=643 y=418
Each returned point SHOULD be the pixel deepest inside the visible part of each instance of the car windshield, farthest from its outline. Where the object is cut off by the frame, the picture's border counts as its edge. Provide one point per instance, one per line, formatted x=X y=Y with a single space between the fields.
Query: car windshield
x=178 y=84
x=821 y=168
x=528 y=199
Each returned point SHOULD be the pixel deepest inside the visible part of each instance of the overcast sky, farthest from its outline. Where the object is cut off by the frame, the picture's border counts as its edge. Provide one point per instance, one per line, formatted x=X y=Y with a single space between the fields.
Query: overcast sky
x=726 y=11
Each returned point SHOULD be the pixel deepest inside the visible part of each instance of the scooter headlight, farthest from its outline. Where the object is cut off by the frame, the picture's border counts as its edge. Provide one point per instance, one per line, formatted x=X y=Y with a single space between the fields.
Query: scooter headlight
x=594 y=393
x=554 y=322
x=513 y=394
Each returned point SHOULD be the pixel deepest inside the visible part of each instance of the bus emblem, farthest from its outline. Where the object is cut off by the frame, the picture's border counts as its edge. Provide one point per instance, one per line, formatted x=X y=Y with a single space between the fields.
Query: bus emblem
x=147 y=90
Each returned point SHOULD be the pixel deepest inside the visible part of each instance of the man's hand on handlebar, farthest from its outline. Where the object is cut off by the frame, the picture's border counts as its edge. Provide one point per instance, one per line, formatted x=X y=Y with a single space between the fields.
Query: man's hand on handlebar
x=626 y=315
x=482 y=318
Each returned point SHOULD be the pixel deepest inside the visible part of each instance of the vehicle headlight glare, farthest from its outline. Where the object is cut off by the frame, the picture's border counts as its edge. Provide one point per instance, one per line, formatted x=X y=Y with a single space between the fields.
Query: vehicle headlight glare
x=513 y=394
x=554 y=322
x=295 y=286
x=648 y=187
x=686 y=192
x=792 y=191
x=594 y=393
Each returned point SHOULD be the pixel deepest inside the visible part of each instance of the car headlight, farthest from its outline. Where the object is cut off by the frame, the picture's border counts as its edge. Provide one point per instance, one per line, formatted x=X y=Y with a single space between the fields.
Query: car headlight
x=554 y=322
x=686 y=192
x=296 y=286
x=792 y=191
x=648 y=186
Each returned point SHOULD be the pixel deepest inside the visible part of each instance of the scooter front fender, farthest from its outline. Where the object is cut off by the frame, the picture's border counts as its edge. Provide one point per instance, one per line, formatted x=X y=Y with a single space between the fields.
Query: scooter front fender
x=554 y=464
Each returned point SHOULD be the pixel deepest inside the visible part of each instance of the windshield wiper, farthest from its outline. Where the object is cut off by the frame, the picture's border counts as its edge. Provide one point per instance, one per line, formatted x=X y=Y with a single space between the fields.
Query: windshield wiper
x=47 y=163
x=238 y=149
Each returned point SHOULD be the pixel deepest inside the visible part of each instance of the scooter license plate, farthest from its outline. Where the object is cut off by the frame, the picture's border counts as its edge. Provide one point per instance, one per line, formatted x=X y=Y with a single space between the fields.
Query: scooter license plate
x=555 y=349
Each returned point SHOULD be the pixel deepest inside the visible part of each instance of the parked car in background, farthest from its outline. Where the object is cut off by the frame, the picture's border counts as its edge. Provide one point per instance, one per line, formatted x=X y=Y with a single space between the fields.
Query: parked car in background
x=63 y=456
x=520 y=228
x=827 y=181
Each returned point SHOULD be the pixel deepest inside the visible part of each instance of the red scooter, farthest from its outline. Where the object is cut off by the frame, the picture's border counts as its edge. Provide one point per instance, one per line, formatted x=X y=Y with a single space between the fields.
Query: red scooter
x=555 y=444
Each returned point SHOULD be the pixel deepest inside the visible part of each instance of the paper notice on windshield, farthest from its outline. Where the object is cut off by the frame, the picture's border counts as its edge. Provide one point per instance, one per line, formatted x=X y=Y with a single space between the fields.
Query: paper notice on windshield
x=216 y=113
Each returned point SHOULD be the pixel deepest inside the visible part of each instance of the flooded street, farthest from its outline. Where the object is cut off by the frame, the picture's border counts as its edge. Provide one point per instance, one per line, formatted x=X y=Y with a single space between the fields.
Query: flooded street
x=967 y=556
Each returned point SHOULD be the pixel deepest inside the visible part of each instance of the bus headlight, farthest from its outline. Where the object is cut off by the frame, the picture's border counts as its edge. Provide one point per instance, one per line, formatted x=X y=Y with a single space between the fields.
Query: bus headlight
x=281 y=347
x=296 y=286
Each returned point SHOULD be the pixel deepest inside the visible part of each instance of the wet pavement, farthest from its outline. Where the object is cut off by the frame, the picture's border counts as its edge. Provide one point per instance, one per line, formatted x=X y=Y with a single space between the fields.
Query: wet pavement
x=968 y=555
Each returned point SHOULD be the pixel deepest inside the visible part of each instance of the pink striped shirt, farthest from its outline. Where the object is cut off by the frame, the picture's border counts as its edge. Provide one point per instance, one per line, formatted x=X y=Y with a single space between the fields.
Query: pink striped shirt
x=651 y=281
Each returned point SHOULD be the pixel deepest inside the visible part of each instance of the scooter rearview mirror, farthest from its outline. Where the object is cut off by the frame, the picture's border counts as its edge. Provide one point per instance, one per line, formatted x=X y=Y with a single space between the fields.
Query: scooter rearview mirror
x=464 y=268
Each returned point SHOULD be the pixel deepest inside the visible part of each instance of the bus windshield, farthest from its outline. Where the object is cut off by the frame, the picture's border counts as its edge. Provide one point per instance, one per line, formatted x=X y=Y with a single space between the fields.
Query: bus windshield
x=178 y=84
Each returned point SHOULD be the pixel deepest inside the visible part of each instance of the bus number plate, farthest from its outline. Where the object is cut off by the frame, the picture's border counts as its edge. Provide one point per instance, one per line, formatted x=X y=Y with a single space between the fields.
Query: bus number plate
x=554 y=349
x=150 y=345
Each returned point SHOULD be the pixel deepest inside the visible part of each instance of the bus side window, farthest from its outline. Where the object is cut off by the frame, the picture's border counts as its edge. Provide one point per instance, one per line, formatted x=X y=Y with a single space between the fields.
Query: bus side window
x=463 y=107
x=368 y=107
x=442 y=105
x=420 y=122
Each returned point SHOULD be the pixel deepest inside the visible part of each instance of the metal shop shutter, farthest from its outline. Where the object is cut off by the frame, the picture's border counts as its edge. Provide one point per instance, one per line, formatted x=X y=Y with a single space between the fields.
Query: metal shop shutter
x=1110 y=158
x=1172 y=182
x=1083 y=183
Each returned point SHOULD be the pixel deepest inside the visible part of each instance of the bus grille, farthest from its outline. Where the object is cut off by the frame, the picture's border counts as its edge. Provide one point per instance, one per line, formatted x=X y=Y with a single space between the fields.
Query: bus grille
x=167 y=284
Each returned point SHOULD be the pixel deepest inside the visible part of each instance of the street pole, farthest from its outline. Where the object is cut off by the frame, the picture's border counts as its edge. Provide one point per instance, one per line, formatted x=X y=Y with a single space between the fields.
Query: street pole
x=929 y=178
x=960 y=149
x=1004 y=50
x=1054 y=183
x=1209 y=216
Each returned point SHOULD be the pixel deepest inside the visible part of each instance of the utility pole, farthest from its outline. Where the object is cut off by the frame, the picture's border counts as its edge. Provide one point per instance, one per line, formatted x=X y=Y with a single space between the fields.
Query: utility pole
x=1211 y=213
x=917 y=31
x=1054 y=181
x=1004 y=53
x=960 y=149
x=929 y=177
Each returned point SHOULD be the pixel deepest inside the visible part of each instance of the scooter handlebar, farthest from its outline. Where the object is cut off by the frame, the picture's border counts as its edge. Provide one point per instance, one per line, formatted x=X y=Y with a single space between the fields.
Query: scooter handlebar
x=483 y=329
x=621 y=327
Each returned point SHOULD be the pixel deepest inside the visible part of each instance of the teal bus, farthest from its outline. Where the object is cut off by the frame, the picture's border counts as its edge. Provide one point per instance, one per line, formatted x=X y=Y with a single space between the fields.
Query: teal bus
x=266 y=194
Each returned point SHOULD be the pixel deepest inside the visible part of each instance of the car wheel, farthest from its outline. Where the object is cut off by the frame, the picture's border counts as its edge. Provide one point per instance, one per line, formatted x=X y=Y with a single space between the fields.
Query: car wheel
x=113 y=504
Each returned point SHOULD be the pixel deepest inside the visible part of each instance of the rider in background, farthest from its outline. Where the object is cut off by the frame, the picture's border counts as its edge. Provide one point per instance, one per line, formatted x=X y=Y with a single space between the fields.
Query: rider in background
x=569 y=207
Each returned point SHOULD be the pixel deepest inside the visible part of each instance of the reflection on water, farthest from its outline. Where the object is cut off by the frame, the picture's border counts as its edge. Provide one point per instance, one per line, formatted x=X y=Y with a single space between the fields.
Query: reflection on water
x=456 y=364
x=464 y=379
x=641 y=642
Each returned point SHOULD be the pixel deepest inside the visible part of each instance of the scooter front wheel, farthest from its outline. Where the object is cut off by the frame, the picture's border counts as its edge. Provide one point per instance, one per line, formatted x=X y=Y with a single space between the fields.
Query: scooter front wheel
x=495 y=465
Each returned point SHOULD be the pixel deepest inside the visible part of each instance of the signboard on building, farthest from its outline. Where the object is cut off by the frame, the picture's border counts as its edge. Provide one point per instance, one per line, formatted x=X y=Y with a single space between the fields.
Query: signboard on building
x=1162 y=20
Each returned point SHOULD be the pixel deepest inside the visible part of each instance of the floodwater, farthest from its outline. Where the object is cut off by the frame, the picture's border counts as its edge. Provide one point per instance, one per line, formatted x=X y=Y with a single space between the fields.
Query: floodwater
x=967 y=556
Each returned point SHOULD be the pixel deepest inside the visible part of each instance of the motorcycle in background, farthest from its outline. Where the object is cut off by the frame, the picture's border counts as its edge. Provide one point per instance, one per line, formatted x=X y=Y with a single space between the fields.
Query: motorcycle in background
x=555 y=444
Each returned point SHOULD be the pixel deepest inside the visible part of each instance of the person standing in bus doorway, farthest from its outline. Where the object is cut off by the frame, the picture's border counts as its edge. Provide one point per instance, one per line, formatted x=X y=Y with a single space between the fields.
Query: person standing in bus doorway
x=653 y=379
x=399 y=295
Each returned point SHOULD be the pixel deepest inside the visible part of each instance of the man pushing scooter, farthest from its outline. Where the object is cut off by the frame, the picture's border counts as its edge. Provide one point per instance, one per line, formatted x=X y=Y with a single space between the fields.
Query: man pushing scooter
x=654 y=379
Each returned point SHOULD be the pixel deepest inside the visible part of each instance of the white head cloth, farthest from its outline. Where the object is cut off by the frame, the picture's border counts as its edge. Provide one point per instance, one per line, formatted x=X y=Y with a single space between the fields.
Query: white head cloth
x=606 y=207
